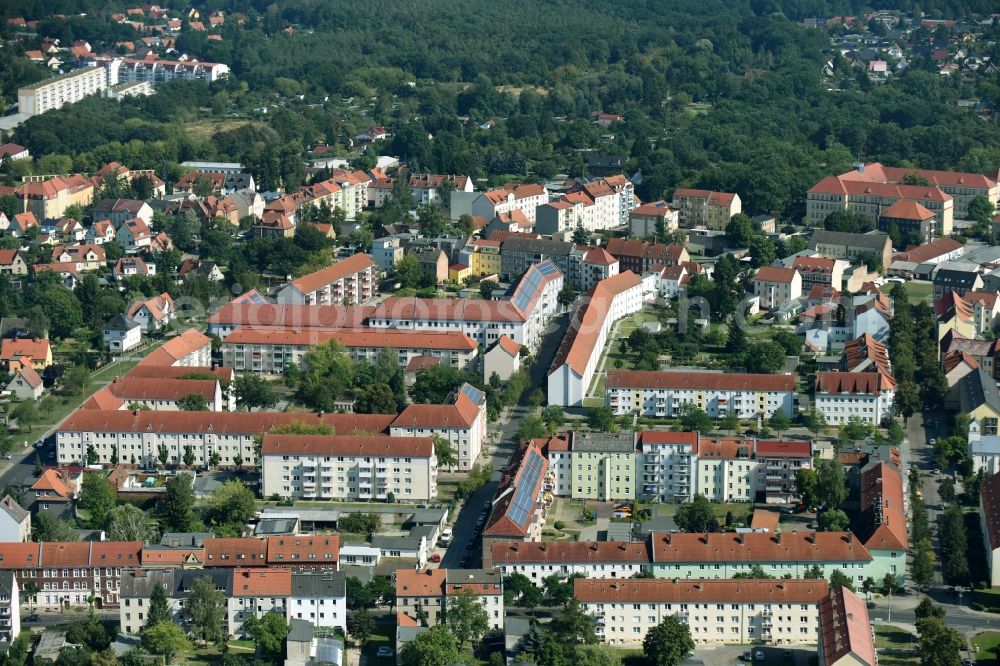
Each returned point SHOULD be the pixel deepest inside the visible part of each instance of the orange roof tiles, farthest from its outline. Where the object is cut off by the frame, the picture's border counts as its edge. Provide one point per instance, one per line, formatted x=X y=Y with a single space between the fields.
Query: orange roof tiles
x=763 y=519
x=243 y=423
x=171 y=556
x=758 y=547
x=921 y=253
x=569 y=552
x=578 y=345
x=363 y=338
x=814 y=264
x=770 y=448
x=882 y=508
x=508 y=345
x=115 y=553
x=446 y=309
x=462 y=414
x=348 y=445
x=290 y=316
x=31 y=348
x=775 y=274
x=303 y=550
x=905 y=209
x=989 y=495
x=651 y=437
x=877 y=171
x=845 y=630
x=652 y=379
x=20 y=555
x=141 y=388
x=177 y=348
x=53 y=483
x=844 y=187
x=665 y=590
x=338 y=271
x=236 y=552
x=420 y=582
x=853 y=383
x=66 y=554
x=270 y=582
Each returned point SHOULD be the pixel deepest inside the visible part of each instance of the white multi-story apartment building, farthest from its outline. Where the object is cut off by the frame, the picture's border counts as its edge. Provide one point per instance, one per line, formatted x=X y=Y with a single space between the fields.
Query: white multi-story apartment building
x=269 y=351
x=664 y=394
x=257 y=591
x=348 y=467
x=771 y=612
x=704 y=208
x=865 y=395
x=573 y=369
x=348 y=282
x=462 y=423
x=136 y=436
x=426 y=187
x=488 y=205
x=157 y=71
x=776 y=286
x=522 y=317
x=56 y=91
x=320 y=599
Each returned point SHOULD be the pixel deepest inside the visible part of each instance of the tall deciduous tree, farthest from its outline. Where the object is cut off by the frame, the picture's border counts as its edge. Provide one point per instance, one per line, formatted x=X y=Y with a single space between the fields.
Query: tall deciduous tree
x=158 y=609
x=694 y=516
x=97 y=497
x=164 y=639
x=466 y=618
x=668 y=643
x=177 y=507
x=207 y=608
x=435 y=647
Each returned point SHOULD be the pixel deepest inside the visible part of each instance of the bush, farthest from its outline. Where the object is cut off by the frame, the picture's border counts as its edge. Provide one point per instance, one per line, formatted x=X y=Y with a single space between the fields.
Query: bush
x=559 y=525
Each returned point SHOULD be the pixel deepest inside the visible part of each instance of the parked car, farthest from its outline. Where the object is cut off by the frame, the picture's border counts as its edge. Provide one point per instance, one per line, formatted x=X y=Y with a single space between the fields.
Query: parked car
x=384 y=651
x=435 y=558
x=758 y=655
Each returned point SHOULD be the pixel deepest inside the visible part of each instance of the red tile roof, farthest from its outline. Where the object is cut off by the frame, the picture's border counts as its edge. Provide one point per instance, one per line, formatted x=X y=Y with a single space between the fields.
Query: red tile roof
x=652 y=379
x=650 y=437
x=578 y=345
x=758 y=547
x=270 y=582
x=928 y=251
x=338 y=271
x=905 y=209
x=303 y=550
x=842 y=186
x=236 y=552
x=140 y=388
x=882 y=508
x=853 y=383
x=508 y=345
x=420 y=582
x=348 y=445
x=775 y=274
x=783 y=448
x=763 y=519
x=177 y=348
x=243 y=423
x=665 y=590
x=53 y=483
x=290 y=316
x=813 y=264
x=569 y=552
x=31 y=348
x=845 y=630
x=462 y=414
x=363 y=338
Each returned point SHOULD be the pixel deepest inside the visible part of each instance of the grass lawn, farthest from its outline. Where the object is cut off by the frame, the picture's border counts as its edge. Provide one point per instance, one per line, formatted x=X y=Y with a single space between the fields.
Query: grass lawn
x=987 y=647
x=740 y=511
x=379 y=637
x=917 y=290
x=204 y=129
x=889 y=637
x=988 y=600
x=208 y=654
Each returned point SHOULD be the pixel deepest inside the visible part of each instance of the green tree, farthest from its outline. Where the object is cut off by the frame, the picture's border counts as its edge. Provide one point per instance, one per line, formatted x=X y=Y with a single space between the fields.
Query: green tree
x=177 y=506
x=695 y=419
x=831 y=484
x=789 y=341
x=97 y=497
x=158 y=610
x=358 y=596
x=62 y=310
x=806 y=485
x=602 y=418
x=486 y=288
x=567 y=295
x=520 y=591
x=162 y=454
x=730 y=422
x=376 y=398
x=694 y=516
x=554 y=418
x=466 y=618
x=839 y=579
x=128 y=522
x=779 y=421
x=668 y=643
x=939 y=645
x=572 y=625
x=762 y=251
x=252 y=391
x=833 y=520
x=46 y=528
x=435 y=384
x=193 y=402
x=231 y=506
x=26 y=414
x=740 y=230
x=765 y=357
x=408 y=272
x=164 y=639
x=444 y=452
x=435 y=647
x=736 y=340
x=359 y=523
x=360 y=625
x=188 y=458
x=922 y=564
x=206 y=607
x=926 y=608
x=980 y=209
x=268 y=632
x=328 y=374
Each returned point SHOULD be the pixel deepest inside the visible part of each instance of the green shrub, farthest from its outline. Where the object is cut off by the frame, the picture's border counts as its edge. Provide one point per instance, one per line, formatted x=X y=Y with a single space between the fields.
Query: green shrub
x=559 y=525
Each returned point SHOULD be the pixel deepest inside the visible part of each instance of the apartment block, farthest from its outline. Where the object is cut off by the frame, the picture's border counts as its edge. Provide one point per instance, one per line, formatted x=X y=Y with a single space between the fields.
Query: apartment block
x=524 y=198
x=835 y=193
x=641 y=257
x=776 y=286
x=645 y=221
x=518 y=508
x=348 y=282
x=865 y=395
x=604 y=466
x=348 y=467
x=269 y=351
x=56 y=91
x=601 y=560
x=768 y=612
x=425 y=593
x=704 y=208
x=664 y=394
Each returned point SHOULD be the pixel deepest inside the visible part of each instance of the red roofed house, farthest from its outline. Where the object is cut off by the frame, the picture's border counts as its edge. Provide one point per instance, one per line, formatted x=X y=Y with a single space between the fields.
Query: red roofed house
x=257 y=591
x=154 y=313
x=14 y=151
x=425 y=592
x=488 y=205
x=35 y=352
x=53 y=494
x=820 y=270
x=21 y=222
x=865 y=395
x=26 y=384
x=463 y=423
x=517 y=512
x=189 y=349
x=776 y=286
x=350 y=281
x=704 y=208
x=641 y=257
x=845 y=632
x=881 y=522
x=914 y=222
x=502 y=358
x=11 y=263
x=133 y=235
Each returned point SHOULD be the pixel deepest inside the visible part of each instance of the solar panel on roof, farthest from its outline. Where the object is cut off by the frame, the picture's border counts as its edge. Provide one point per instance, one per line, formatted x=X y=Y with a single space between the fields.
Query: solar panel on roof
x=472 y=393
x=522 y=505
x=547 y=268
x=257 y=298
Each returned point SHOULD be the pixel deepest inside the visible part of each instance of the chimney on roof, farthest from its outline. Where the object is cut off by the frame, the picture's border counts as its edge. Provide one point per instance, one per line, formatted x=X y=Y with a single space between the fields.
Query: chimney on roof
x=739 y=538
x=777 y=537
x=666 y=539
x=703 y=538
x=850 y=536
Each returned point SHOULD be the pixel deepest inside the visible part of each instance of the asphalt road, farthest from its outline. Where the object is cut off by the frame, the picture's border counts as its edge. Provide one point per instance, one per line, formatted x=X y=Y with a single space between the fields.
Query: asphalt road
x=466 y=546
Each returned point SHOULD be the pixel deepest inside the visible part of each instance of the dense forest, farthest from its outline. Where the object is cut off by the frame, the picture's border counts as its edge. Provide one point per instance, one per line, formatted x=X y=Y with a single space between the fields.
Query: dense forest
x=722 y=95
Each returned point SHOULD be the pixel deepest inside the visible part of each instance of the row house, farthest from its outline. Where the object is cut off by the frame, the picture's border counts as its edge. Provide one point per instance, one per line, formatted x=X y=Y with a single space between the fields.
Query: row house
x=157 y=394
x=426 y=188
x=521 y=316
x=850 y=246
x=582 y=266
x=269 y=351
x=154 y=71
x=603 y=203
x=77 y=573
x=190 y=349
x=769 y=612
x=641 y=257
x=254 y=311
x=882 y=515
x=598 y=560
x=348 y=467
x=575 y=363
x=518 y=508
x=137 y=587
x=425 y=593
x=704 y=208
x=867 y=396
x=349 y=281
x=664 y=394
x=835 y=193
x=48 y=198
x=354 y=187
